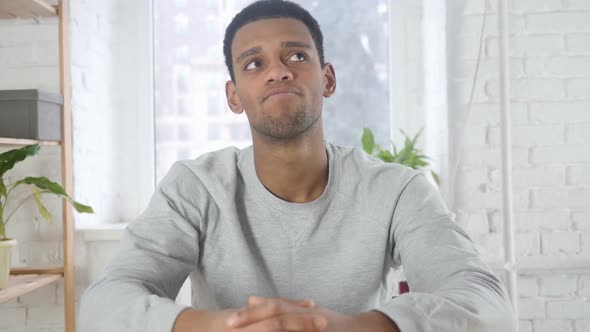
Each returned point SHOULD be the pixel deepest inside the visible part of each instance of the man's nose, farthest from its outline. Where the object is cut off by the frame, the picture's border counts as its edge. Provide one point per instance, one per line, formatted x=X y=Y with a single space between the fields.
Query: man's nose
x=277 y=72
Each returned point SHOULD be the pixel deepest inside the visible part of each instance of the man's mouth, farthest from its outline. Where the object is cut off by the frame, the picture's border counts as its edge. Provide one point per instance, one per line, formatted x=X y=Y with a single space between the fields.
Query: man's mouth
x=279 y=93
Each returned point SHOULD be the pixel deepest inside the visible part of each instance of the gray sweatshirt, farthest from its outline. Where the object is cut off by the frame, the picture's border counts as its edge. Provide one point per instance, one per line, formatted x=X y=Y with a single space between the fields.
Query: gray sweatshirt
x=213 y=220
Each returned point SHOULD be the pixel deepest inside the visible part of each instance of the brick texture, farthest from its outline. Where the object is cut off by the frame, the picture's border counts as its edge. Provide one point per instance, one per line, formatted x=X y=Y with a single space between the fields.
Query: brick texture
x=549 y=49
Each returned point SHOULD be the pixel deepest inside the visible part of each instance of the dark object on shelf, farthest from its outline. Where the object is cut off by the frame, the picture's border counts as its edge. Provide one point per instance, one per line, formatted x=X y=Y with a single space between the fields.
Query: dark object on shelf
x=30 y=114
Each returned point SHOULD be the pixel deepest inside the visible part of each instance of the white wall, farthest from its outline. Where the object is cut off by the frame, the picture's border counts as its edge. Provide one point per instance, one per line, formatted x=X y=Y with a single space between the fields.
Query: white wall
x=28 y=60
x=112 y=108
x=418 y=71
x=113 y=135
x=550 y=62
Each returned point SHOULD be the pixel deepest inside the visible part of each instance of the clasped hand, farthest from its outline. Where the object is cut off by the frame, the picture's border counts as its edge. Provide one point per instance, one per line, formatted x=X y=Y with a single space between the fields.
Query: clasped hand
x=282 y=315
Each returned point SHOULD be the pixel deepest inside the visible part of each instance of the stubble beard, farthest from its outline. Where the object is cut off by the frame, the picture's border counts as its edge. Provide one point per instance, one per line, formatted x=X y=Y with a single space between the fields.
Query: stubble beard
x=286 y=128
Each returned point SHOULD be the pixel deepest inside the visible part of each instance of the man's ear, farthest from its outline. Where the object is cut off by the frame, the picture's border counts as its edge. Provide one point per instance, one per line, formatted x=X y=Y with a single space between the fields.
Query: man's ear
x=329 y=80
x=233 y=100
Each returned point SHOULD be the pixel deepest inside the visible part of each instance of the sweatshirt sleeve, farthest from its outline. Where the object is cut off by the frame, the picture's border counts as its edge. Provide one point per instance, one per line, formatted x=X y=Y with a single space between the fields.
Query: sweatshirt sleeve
x=451 y=288
x=158 y=251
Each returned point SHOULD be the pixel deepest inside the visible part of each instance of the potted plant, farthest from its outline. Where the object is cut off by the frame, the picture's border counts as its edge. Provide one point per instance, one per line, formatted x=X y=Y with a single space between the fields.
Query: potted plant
x=39 y=186
x=409 y=155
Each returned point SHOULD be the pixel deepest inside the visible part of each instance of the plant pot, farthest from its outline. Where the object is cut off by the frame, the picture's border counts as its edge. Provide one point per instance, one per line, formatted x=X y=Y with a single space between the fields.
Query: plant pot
x=5 y=258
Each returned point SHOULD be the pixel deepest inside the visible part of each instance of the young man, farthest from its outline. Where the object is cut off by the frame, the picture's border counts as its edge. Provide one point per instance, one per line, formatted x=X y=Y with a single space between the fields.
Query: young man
x=293 y=233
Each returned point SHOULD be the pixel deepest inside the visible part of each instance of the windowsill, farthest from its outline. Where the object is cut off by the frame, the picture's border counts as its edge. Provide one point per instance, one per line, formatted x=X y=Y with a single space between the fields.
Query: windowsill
x=101 y=232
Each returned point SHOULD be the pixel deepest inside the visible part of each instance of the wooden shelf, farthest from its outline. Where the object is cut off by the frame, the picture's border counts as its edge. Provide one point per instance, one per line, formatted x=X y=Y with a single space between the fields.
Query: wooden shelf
x=19 y=285
x=26 y=9
x=21 y=141
x=23 y=281
x=37 y=270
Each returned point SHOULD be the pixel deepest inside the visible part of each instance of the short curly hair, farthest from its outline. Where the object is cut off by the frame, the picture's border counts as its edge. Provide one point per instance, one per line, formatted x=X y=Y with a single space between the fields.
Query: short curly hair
x=266 y=9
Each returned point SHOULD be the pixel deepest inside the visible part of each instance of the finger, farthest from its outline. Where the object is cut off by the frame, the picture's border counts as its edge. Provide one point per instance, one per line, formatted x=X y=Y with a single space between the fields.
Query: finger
x=256 y=300
x=262 y=311
x=292 y=322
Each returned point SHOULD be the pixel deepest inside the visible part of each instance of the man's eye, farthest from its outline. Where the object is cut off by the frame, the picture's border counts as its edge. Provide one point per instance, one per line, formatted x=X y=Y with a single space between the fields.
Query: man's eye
x=298 y=57
x=252 y=65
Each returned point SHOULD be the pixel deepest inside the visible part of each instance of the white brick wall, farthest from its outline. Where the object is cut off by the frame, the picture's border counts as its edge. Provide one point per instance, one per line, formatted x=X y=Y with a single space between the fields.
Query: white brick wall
x=107 y=91
x=532 y=309
x=569 y=309
x=550 y=90
x=578 y=43
x=553 y=325
x=111 y=96
x=557 y=22
x=582 y=325
x=528 y=286
x=29 y=60
x=559 y=286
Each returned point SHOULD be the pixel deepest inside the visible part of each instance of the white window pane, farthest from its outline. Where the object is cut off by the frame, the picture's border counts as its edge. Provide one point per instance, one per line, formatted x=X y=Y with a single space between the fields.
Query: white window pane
x=356 y=39
x=181 y=22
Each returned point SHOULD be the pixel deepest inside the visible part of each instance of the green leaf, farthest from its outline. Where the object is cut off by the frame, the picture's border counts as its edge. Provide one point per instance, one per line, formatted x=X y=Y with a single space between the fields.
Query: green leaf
x=408 y=154
x=403 y=155
x=420 y=163
x=435 y=177
x=54 y=188
x=42 y=209
x=407 y=140
x=368 y=141
x=9 y=158
x=416 y=137
x=421 y=156
x=394 y=149
x=2 y=188
x=2 y=229
x=385 y=155
x=81 y=207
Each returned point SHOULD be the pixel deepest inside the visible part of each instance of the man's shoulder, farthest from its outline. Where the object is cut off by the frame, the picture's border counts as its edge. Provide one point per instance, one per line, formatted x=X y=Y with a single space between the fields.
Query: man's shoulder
x=220 y=164
x=374 y=185
x=228 y=156
x=355 y=162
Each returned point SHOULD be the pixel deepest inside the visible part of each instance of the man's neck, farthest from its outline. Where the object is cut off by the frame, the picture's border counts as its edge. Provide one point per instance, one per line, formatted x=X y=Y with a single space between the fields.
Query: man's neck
x=295 y=170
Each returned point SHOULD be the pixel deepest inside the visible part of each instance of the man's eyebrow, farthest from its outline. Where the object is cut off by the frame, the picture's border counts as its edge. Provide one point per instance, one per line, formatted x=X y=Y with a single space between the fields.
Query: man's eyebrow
x=258 y=49
x=249 y=52
x=289 y=44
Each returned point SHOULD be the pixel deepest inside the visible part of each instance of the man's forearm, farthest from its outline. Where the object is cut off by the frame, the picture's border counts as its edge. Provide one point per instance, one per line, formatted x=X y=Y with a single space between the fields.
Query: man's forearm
x=192 y=320
x=376 y=321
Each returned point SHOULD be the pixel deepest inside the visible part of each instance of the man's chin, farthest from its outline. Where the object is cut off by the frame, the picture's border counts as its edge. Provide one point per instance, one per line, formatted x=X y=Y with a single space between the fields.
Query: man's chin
x=285 y=124
x=279 y=107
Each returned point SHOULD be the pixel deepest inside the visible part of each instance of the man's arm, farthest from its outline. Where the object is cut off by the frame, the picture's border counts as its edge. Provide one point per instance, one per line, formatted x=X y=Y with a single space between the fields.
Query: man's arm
x=158 y=252
x=452 y=289
x=193 y=320
x=377 y=322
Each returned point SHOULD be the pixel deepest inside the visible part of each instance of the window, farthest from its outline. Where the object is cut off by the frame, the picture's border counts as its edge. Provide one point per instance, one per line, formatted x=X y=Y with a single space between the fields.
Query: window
x=185 y=133
x=181 y=22
x=356 y=42
x=183 y=107
x=182 y=54
x=182 y=82
x=214 y=105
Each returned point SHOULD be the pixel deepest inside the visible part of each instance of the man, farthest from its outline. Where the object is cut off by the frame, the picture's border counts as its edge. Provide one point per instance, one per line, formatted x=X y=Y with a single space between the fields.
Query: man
x=293 y=233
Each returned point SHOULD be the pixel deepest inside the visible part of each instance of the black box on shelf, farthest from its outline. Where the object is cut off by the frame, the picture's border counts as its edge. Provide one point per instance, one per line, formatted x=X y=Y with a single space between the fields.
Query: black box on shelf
x=30 y=114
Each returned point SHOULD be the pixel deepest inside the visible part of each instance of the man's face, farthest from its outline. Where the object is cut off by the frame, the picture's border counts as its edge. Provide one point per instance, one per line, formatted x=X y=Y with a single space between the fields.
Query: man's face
x=279 y=81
